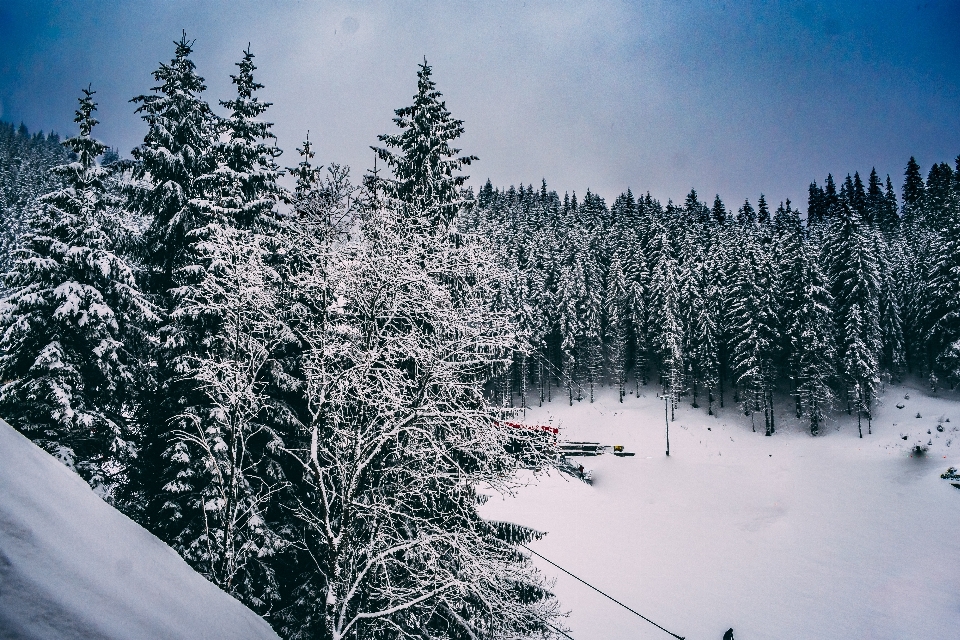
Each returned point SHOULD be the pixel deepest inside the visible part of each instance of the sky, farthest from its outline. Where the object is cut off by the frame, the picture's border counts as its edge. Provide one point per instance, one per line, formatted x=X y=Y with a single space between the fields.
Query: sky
x=729 y=98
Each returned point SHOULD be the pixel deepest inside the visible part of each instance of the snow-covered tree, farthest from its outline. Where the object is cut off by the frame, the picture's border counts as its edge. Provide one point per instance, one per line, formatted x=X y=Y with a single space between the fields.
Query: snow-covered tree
x=616 y=301
x=704 y=354
x=399 y=436
x=175 y=153
x=426 y=180
x=942 y=309
x=854 y=284
x=754 y=329
x=216 y=507
x=666 y=322
x=241 y=187
x=74 y=321
x=810 y=331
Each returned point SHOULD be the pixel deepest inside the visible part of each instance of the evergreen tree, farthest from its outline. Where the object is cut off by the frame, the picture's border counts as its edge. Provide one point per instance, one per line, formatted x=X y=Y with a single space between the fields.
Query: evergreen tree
x=892 y=358
x=746 y=215
x=943 y=303
x=858 y=197
x=891 y=219
x=763 y=212
x=939 y=196
x=241 y=188
x=754 y=331
x=913 y=194
x=790 y=255
x=812 y=347
x=666 y=324
x=704 y=353
x=875 y=205
x=831 y=198
x=718 y=213
x=425 y=167
x=616 y=303
x=74 y=322
x=175 y=153
x=854 y=284
x=816 y=205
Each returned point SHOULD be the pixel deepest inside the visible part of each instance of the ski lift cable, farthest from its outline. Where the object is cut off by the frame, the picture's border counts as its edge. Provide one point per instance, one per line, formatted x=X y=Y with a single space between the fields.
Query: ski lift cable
x=606 y=595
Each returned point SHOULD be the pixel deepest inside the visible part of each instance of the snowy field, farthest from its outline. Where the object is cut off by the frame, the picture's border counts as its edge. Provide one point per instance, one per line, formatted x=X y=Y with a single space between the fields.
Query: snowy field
x=782 y=537
x=72 y=567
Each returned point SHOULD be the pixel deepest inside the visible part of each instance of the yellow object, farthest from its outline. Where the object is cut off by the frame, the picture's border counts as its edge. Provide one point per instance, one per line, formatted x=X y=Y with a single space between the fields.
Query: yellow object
x=618 y=447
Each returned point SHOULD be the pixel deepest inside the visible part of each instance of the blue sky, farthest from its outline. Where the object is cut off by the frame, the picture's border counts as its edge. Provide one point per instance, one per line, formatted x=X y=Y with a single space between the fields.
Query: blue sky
x=735 y=98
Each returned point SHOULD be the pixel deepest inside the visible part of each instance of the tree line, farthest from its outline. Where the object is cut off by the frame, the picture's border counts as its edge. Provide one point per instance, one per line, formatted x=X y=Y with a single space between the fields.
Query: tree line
x=747 y=305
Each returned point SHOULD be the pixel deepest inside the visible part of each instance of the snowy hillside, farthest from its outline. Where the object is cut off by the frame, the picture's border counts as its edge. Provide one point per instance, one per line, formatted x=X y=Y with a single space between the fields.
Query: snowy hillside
x=782 y=537
x=71 y=566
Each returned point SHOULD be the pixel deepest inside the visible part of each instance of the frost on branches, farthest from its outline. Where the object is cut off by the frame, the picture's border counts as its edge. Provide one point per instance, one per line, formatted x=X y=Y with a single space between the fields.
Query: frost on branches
x=400 y=438
x=227 y=446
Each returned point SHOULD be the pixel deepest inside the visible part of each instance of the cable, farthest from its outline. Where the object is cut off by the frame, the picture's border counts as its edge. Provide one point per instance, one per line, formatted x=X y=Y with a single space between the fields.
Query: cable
x=603 y=594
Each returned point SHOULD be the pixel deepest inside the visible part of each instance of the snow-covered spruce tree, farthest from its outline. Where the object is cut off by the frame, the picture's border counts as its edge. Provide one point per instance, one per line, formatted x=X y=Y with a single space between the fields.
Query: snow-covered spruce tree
x=74 y=321
x=704 y=345
x=914 y=196
x=789 y=246
x=166 y=191
x=939 y=195
x=890 y=221
x=892 y=358
x=426 y=182
x=242 y=188
x=390 y=544
x=666 y=326
x=25 y=174
x=307 y=177
x=754 y=330
x=943 y=302
x=810 y=331
x=590 y=343
x=228 y=446
x=570 y=289
x=175 y=153
x=854 y=285
x=616 y=304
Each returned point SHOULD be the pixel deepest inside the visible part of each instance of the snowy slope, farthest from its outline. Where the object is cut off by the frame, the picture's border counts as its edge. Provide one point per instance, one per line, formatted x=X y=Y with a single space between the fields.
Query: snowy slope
x=782 y=537
x=71 y=566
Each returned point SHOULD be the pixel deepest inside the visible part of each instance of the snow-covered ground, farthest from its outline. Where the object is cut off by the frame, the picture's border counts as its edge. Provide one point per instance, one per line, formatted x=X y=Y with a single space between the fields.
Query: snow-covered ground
x=73 y=567
x=782 y=537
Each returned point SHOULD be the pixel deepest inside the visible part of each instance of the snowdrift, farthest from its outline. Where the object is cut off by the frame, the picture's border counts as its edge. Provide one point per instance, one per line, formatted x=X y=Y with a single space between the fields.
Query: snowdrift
x=71 y=566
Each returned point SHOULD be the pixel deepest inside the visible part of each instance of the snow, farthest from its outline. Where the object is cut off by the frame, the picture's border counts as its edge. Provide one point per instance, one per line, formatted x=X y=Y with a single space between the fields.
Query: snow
x=788 y=536
x=71 y=566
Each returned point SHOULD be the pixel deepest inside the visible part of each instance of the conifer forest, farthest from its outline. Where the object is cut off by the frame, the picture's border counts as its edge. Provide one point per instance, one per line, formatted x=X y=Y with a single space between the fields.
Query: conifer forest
x=298 y=374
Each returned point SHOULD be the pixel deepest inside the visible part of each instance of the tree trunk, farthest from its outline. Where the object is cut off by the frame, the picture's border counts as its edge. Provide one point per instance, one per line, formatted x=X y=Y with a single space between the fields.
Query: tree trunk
x=666 y=403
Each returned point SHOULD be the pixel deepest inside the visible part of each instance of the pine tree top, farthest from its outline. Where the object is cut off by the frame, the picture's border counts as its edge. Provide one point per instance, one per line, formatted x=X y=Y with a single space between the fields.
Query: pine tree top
x=425 y=166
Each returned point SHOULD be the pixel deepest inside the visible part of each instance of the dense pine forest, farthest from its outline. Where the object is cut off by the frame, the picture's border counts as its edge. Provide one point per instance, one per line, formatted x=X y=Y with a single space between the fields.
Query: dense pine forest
x=742 y=306
x=302 y=390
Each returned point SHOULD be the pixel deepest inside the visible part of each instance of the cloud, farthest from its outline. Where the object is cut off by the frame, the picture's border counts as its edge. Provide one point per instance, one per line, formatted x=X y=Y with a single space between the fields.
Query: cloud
x=729 y=98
